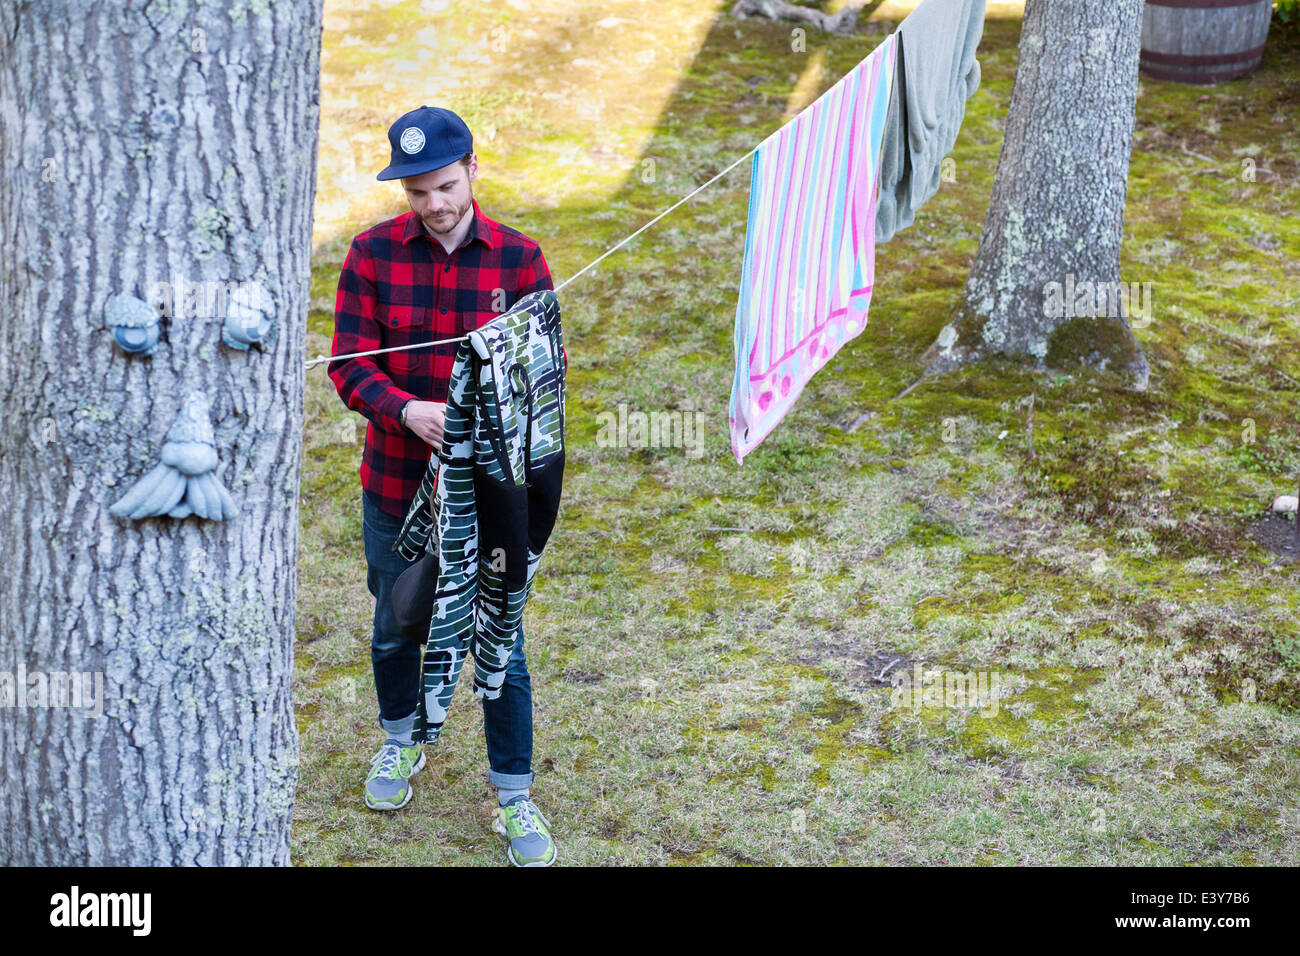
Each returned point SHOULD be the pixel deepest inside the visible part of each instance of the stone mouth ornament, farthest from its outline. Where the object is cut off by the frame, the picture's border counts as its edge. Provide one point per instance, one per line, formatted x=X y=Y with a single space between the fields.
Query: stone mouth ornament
x=184 y=481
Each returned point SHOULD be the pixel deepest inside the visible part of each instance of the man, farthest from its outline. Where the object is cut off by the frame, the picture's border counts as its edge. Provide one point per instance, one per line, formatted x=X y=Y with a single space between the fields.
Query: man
x=437 y=272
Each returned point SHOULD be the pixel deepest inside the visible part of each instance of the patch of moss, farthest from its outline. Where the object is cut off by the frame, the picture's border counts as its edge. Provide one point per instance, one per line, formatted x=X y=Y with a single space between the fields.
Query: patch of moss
x=1054 y=695
x=1097 y=341
x=929 y=534
x=981 y=603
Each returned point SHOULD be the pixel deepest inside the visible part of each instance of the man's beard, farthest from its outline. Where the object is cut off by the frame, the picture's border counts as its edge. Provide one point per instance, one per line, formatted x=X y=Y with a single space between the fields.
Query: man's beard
x=449 y=222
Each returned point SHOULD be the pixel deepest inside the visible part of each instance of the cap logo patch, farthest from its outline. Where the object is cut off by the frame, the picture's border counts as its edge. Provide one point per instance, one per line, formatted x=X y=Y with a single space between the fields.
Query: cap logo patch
x=412 y=140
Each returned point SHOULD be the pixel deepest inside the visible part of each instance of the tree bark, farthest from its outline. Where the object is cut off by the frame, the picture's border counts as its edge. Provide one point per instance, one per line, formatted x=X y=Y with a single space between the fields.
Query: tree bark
x=144 y=142
x=1056 y=215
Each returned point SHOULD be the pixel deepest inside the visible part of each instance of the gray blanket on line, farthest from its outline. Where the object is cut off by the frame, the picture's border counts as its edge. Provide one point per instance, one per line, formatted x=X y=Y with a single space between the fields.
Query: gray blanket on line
x=936 y=73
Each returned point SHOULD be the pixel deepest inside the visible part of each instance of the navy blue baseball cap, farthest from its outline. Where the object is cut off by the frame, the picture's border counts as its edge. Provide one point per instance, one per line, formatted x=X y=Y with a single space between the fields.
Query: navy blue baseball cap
x=426 y=139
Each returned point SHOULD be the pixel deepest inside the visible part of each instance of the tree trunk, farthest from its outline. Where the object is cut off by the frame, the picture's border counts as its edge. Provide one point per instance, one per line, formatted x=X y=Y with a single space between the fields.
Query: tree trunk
x=143 y=143
x=1045 y=283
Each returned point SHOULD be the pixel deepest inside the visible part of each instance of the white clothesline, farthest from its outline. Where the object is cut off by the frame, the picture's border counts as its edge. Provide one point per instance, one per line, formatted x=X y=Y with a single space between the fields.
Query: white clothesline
x=460 y=338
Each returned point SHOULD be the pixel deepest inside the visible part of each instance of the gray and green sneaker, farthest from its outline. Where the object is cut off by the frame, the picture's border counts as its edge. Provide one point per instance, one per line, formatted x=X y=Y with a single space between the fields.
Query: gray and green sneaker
x=387 y=787
x=529 y=833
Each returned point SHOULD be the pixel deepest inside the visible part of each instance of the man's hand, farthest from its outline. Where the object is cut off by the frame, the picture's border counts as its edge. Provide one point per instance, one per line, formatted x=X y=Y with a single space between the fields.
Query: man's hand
x=427 y=419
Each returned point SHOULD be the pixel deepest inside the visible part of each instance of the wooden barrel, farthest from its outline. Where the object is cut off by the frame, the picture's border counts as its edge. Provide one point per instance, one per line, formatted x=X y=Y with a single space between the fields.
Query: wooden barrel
x=1203 y=41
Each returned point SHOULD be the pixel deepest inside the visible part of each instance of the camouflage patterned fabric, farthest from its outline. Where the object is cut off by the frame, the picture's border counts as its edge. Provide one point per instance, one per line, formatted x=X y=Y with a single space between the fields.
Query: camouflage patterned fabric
x=489 y=499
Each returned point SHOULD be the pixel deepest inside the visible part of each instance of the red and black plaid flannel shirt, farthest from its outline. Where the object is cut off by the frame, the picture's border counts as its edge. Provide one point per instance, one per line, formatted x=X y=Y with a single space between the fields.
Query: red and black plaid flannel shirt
x=399 y=286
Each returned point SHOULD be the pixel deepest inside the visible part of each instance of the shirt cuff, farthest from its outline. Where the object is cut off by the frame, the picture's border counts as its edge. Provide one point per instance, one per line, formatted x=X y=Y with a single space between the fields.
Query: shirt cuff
x=391 y=407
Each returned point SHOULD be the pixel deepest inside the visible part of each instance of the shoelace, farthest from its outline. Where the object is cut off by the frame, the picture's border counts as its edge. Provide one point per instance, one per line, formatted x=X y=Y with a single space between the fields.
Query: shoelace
x=524 y=816
x=387 y=759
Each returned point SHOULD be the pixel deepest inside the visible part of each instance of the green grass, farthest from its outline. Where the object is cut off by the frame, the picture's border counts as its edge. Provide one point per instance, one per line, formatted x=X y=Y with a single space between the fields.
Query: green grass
x=711 y=696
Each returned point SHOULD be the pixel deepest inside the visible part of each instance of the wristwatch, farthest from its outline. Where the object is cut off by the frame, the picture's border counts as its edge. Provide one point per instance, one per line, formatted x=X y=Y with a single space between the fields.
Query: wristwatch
x=401 y=416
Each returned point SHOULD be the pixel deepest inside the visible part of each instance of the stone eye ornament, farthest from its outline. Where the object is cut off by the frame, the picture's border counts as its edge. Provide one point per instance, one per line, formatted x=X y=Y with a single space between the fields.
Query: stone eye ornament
x=249 y=318
x=134 y=324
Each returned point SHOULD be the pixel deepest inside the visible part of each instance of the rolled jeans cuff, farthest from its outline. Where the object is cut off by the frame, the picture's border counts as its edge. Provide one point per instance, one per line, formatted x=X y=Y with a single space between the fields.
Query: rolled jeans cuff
x=511 y=781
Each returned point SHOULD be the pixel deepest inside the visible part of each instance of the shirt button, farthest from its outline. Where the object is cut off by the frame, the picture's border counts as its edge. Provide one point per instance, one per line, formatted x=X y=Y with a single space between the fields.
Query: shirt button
x=446 y=268
x=395 y=323
x=444 y=311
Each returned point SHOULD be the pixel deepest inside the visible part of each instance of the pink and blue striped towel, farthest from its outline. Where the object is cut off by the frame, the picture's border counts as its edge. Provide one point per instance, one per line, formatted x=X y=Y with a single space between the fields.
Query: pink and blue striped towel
x=810 y=245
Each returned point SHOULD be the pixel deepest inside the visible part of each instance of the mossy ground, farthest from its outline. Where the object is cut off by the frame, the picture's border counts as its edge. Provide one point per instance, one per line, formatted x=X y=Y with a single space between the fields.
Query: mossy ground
x=711 y=695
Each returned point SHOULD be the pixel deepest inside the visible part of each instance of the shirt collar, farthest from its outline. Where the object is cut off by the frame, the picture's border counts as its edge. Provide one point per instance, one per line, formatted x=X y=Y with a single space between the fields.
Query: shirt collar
x=480 y=228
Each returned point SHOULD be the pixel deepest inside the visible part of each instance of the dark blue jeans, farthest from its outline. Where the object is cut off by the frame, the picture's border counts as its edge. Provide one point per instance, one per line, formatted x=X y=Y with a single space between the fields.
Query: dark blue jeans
x=507 y=721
